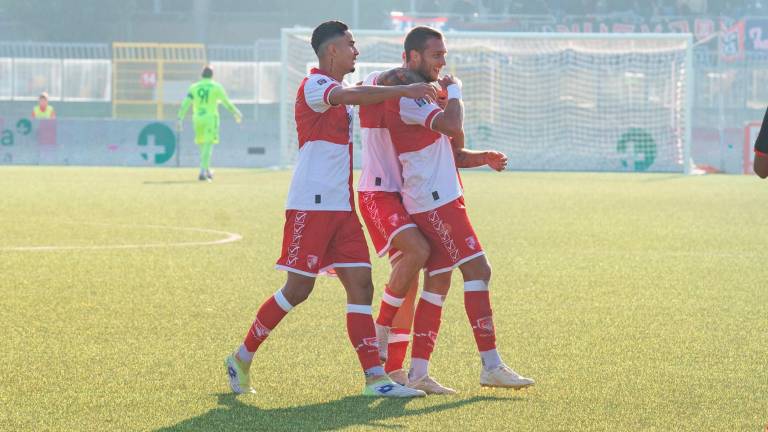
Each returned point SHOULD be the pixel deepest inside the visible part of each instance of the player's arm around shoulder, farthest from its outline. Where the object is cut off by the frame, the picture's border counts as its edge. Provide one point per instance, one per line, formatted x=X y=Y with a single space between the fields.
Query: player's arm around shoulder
x=367 y=95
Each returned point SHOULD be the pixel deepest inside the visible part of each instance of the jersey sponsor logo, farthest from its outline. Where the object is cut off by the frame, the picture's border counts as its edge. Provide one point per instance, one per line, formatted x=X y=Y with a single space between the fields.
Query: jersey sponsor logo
x=471 y=242
x=259 y=331
x=443 y=230
x=484 y=325
x=373 y=212
x=322 y=81
x=420 y=102
x=299 y=222
x=312 y=261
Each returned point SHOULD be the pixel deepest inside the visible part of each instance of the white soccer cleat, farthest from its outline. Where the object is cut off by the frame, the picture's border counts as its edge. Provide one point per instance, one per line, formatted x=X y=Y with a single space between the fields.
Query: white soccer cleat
x=387 y=388
x=430 y=386
x=503 y=376
x=382 y=334
x=399 y=376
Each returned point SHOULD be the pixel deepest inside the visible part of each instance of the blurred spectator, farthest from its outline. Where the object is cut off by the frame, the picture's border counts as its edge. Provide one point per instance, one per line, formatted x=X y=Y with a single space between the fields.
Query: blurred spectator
x=42 y=110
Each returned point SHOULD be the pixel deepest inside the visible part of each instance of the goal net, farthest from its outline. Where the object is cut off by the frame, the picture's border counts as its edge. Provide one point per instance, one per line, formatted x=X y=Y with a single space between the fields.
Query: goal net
x=550 y=101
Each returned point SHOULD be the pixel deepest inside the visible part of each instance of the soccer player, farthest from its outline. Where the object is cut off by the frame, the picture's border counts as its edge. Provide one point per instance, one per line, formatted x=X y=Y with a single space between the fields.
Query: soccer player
x=205 y=96
x=433 y=196
x=761 y=150
x=322 y=231
x=43 y=110
x=392 y=230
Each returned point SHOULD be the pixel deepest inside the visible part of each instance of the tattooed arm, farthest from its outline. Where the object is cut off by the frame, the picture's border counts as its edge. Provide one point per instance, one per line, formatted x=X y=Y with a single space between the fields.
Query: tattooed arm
x=398 y=76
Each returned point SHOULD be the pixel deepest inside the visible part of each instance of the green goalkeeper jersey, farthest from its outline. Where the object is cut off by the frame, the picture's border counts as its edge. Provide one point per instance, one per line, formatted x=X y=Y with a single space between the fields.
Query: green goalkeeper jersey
x=205 y=96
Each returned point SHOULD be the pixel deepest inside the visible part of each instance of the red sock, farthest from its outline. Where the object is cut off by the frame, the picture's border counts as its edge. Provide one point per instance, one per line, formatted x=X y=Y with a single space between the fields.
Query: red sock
x=363 y=335
x=269 y=315
x=426 y=325
x=478 y=307
x=396 y=349
x=390 y=304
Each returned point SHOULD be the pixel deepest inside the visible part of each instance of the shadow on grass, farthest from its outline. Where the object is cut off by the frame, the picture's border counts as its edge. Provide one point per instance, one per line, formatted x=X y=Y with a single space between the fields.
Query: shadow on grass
x=233 y=415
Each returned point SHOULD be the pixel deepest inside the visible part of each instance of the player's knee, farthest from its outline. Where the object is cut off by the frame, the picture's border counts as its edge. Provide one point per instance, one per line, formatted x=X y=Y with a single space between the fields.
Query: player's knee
x=477 y=269
x=297 y=291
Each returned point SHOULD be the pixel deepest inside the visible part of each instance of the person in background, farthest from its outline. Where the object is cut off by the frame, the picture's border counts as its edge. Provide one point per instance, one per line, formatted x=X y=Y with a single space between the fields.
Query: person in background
x=42 y=110
x=205 y=96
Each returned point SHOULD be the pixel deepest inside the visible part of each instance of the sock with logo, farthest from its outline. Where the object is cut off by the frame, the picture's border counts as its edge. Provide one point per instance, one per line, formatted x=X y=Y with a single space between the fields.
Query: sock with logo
x=477 y=303
x=426 y=325
x=269 y=315
x=363 y=337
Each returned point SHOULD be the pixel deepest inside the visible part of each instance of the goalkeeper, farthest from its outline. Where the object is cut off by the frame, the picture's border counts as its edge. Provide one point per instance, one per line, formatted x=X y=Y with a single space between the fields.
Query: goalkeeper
x=205 y=96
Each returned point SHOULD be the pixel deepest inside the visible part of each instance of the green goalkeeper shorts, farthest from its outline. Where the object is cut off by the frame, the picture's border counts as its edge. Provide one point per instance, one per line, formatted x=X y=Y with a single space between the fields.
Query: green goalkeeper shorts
x=206 y=129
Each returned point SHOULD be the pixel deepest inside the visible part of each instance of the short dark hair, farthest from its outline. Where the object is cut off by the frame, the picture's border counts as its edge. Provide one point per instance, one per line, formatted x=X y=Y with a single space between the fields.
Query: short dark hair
x=327 y=31
x=207 y=72
x=417 y=38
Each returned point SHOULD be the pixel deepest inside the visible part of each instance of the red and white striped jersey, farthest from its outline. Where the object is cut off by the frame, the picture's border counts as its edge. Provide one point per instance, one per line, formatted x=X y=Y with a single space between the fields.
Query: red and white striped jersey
x=381 y=168
x=322 y=179
x=430 y=178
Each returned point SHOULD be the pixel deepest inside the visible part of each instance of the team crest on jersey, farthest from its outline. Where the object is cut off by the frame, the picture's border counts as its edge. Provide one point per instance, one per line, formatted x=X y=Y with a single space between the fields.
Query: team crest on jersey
x=322 y=81
x=394 y=219
x=485 y=324
x=471 y=242
x=311 y=261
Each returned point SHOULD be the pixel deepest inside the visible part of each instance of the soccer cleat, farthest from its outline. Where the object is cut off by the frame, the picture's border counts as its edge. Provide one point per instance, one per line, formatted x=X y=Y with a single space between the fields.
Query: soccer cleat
x=209 y=174
x=385 y=387
x=237 y=372
x=203 y=177
x=430 y=386
x=503 y=376
x=382 y=334
x=399 y=376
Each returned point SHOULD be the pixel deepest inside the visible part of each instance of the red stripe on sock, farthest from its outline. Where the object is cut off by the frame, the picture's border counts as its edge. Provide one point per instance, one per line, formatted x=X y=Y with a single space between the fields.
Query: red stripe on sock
x=363 y=337
x=426 y=325
x=478 y=307
x=267 y=318
x=396 y=351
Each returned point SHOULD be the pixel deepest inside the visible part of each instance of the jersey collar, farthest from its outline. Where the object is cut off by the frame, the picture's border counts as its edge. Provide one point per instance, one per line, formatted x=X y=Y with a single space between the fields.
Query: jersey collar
x=318 y=71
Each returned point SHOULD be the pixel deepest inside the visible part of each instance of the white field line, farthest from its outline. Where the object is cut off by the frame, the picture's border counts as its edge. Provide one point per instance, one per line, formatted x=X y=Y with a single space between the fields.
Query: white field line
x=229 y=238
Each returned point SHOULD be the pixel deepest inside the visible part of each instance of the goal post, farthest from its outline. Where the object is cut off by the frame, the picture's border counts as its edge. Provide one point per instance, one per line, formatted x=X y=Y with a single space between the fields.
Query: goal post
x=550 y=101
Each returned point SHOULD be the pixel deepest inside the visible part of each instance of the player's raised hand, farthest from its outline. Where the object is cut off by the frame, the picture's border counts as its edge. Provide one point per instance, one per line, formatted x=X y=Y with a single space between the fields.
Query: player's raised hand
x=496 y=160
x=449 y=79
x=420 y=90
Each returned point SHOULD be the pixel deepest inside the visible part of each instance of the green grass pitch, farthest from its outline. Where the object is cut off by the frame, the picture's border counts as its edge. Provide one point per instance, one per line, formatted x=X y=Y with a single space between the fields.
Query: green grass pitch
x=637 y=302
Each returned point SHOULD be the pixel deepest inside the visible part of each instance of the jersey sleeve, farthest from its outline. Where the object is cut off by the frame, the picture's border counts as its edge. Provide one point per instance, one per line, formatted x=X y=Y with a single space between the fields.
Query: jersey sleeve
x=761 y=143
x=418 y=112
x=185 y=104
x=316 y=91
